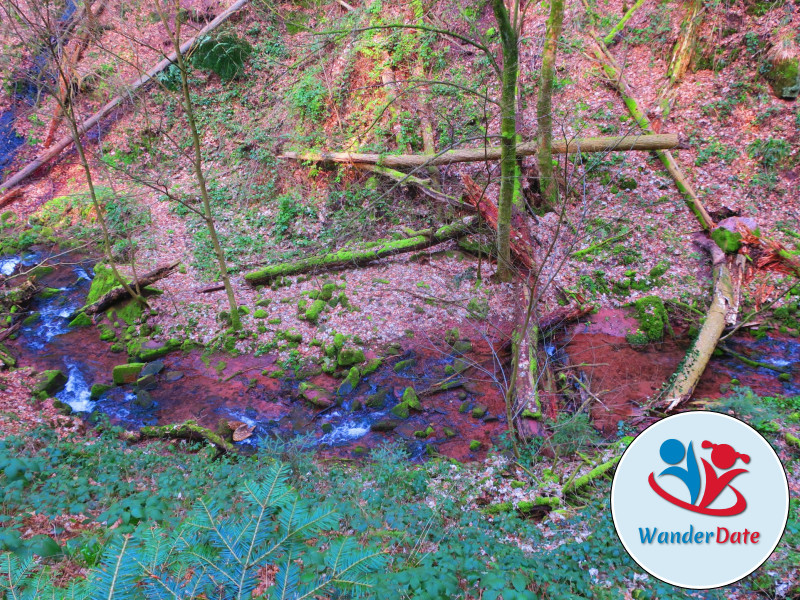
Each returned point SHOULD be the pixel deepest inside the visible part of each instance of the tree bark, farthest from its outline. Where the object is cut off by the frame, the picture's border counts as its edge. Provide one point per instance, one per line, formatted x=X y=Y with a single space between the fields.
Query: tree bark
x=509 y=36
x=118 y=294
x=682 y=384
x=684 y=47
x=518 y=244
x=627 y=143
x=355 y=258
x=544 y=107
x=106 y=110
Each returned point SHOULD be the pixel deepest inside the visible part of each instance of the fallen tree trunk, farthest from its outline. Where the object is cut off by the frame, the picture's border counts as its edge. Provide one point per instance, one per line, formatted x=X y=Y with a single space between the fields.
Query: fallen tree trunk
x=407 y=161
x=681 y=385
x=611 y=35
x=187 y=431
x=68 y=140
x=520 y=246
x=356 y=258
x=118 y=294
x=614 y=74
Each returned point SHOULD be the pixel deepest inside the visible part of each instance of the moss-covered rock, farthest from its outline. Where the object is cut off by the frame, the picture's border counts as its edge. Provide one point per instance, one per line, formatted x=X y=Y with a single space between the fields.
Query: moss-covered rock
x=327 y=291
x=98 y=389
x=314 y=311
x=350 y=356
x=385 y=425
x=350 y=382
x=315 y=395
x=50 y=382
x=479 y=411
x=32 y=318
x=107 y=334
x=81 y=320
x=411 y=399
x=652 y=317
x=728 y=241
x=6 y=358
x=474 y=445
x=401 y=410
x=128 y=373
x=260 y=313
x=103 y=282
x=448 y=432
x=404 y=364
x=377 y=400
x=424 y=433
x=371 y=366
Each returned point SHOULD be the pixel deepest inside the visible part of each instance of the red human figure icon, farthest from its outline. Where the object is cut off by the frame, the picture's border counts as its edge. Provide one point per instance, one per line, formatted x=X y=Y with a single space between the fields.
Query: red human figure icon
x=724 y=457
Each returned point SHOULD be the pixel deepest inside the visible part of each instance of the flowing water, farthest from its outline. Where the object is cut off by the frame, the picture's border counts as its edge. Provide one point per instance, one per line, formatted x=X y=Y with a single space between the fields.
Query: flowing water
x=188 y=386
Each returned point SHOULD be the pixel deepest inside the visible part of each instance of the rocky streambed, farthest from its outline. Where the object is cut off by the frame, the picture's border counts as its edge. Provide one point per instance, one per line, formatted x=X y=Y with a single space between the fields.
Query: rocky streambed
x=433 y=397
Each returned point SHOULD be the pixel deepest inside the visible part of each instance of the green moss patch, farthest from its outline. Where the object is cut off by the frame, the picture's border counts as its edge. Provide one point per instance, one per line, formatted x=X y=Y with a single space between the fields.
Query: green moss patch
x=122 y=374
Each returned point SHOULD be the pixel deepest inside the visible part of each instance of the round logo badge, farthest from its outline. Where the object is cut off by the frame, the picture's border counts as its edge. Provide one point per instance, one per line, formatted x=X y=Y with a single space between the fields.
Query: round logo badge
x=700 y=500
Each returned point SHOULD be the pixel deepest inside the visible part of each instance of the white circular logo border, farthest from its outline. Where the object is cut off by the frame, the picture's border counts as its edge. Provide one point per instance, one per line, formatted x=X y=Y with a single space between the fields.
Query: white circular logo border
x=785 y=489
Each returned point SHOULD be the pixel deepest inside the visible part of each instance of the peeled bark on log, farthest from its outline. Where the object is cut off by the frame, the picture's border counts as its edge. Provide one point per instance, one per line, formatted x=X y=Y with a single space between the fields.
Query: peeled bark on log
x=684 y=47
x=682 y=383
x=614 y=73
x=118 y=294
x=356 y=258
x=520 y=246
x=95 y=119
x=409 y=161
x=187 y=431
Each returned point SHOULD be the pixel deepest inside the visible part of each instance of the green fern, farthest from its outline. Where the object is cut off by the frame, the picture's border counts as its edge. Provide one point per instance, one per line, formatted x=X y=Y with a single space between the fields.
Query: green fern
x=217 y=552
x=224 y=55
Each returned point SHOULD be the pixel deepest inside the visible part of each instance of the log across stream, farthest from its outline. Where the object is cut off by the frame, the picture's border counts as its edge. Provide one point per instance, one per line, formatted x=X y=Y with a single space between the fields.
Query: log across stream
x=240 y=388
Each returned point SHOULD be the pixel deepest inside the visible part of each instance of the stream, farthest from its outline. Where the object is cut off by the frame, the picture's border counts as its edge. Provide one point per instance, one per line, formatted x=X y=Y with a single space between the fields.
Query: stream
x=187 y=385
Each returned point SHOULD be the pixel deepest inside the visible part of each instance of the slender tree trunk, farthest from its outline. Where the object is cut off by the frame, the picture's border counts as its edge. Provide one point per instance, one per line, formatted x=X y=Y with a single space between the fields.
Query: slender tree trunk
x=544 y=106
x=197 y=164
x=509 y=36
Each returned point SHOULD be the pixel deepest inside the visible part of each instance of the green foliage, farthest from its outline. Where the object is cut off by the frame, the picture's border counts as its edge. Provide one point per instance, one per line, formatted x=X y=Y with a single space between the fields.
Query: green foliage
x=771 y=153
x=716 y=150
x=309 y=96
x=224 y=55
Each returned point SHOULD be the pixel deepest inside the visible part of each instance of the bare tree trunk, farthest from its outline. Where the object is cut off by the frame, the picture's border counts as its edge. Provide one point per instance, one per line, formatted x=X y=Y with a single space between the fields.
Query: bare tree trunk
x=544 y=106
x=197 y=164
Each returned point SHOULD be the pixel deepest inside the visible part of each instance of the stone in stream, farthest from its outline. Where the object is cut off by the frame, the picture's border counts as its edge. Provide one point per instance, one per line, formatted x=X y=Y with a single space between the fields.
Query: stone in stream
x=143 y=400
x=148 y=382
x=350 y=382
x=50 y=382
x=171 y=376
x=98 y=389
x=316 y=396
x=153 y=368
x=128 y=373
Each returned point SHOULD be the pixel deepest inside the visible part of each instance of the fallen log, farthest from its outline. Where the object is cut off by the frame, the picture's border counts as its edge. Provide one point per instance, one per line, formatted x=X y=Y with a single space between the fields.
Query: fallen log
x=422 y=185
x=682 y=383
x=357 y=258
x=614 y=74
x=520 y=239
x=189 y=430
x=611 y=35
x=214 y=287
x=572 y=487
x=106 y=110
x=407 y=161
x=118 y=294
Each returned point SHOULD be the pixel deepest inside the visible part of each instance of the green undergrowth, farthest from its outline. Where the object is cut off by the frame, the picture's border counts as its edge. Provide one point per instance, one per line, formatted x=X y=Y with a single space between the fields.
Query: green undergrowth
x=171 y=515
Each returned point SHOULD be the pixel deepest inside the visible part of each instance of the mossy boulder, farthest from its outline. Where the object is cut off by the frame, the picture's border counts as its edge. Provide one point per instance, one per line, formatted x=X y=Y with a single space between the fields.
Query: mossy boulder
x=313 y=312
x=404 y=364
x=103 y=282
x=424 y=433
x=377 y=400
x=315 y=395
x=474 y=445
x=652 y=317
x=82 y=320
x=260 y=313
x=32 y=318
x=6 y=358
x=783 y=69
x=401 y=410
x=411 y=399
x=50 y=382
x=128 y=373
x=143 y=400
x=98 y=389
x=371 y=366
x=350 y=356
x=385 y=425
x=107 y=334
x=350 y=382
x=479 y=411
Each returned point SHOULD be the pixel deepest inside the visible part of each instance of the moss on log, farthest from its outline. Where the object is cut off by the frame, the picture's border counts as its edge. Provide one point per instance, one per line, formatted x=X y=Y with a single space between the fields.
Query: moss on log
x=118 y=294
x=407 y=161
x=581 y=482
x=355 y=258
x=189 y=430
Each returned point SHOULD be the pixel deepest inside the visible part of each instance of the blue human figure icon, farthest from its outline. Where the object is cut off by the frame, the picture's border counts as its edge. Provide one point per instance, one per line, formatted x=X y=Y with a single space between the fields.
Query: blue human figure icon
x=672 y=453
